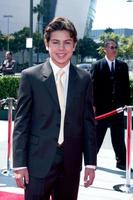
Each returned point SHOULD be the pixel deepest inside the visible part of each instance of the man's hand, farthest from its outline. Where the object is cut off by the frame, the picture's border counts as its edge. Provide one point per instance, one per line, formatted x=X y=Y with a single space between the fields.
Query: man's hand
x=89 y=176
x=21 y=176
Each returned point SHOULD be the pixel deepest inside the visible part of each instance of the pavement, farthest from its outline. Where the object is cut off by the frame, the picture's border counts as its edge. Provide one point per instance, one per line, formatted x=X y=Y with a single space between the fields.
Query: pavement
x=107 y=182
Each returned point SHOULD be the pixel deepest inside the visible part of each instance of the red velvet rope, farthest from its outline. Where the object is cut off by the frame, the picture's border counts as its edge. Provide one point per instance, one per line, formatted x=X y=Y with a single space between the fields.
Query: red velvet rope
x=113 y=112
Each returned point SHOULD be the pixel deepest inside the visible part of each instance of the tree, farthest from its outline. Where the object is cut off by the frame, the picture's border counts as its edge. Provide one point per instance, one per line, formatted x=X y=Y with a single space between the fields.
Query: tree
x=86 y=47
x=104 y=37
x=125 y=50
x=109 y=30
x=20 y=41
x=38 y=42
x=3 y=42
x=40 y=11
x=126 y=47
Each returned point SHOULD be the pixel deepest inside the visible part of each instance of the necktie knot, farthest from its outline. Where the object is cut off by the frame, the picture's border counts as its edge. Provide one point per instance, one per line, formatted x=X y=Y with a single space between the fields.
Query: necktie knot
x=60 y=73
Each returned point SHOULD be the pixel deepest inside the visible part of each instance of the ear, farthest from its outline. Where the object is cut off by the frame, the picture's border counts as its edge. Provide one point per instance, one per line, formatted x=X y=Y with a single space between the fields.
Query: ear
x=74 y=47
x=47 y=48
x=104 y=50
x=46 y=45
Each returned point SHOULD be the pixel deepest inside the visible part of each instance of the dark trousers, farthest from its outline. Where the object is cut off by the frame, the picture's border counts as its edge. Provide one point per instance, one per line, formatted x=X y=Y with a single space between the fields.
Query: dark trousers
x=56 y=184
x=116 y=125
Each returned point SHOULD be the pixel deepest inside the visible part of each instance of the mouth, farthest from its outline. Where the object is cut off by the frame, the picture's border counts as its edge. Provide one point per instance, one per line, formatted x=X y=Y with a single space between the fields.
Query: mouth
x=61 y=55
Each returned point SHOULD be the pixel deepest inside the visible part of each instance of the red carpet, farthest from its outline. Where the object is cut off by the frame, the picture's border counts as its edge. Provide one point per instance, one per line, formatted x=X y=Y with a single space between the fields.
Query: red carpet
x=11 y=196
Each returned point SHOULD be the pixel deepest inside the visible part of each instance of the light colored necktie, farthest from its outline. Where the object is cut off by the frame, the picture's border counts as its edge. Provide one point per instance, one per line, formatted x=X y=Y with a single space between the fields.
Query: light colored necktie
x=61 y=97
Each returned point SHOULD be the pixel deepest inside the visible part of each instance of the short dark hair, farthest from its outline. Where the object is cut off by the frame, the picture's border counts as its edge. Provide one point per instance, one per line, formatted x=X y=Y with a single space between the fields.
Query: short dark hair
x=60 y=24
x=108 y=41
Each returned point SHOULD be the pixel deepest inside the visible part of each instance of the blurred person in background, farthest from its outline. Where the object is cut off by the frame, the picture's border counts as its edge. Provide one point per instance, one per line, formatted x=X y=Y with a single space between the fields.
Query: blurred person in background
x=9 y=64
x=111 y=90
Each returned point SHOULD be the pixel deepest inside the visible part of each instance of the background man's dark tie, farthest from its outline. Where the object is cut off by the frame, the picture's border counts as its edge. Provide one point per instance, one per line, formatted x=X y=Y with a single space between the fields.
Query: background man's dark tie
x=112 y=68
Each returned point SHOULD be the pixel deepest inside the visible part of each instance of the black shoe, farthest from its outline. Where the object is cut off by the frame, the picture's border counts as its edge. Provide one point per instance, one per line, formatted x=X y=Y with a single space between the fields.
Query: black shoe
x=122 y=167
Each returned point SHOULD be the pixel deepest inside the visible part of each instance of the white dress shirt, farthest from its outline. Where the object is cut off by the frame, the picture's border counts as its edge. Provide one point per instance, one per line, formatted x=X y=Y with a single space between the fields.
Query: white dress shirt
x=110 y=62
x=65 y=77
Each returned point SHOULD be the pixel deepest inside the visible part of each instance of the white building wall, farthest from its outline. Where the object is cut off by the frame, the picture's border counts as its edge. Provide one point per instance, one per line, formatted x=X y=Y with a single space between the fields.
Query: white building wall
x=20 y=12
x=76 y=11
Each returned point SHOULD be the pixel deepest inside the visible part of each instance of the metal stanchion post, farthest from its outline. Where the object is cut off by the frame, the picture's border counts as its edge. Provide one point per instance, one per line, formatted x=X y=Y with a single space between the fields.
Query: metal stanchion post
x=8 y=171
x=128 y=153
x=127 y=187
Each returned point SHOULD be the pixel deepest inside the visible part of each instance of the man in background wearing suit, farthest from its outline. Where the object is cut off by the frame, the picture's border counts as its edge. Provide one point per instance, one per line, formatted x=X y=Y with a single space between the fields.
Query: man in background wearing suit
x=50 y=104
x=9 y=64
x=111 y=91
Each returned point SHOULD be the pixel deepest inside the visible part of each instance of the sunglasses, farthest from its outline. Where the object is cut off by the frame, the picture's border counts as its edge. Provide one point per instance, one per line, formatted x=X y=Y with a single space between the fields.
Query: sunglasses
x=113 y=47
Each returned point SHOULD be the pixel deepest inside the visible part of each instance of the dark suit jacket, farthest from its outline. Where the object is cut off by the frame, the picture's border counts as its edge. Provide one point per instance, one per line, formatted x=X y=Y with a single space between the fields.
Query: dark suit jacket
x=102 y=86
x=38 y=116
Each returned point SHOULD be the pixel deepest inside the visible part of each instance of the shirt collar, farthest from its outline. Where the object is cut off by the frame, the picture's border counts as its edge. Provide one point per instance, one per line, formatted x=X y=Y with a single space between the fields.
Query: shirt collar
x=109 y=61
x=55 y=68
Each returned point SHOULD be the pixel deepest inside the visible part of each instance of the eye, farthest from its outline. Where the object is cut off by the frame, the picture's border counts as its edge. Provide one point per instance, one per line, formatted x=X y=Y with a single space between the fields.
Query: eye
x=68 y=42
x=55 y=42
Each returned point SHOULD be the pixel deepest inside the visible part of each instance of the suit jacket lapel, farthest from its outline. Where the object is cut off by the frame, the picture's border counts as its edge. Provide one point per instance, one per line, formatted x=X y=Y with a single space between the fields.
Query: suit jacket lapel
x=105 y=63
x=49 y=81
x=71 y=84
x=117 y=66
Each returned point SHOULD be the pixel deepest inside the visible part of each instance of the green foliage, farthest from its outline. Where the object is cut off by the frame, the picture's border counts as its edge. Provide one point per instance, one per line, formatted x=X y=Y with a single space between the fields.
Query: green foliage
x=109 y=30
x=20 y=39
x=9 y=86
x=131 y=89
x=3 y=42
x=87 y=47
x=126 y=47
x=104 y=37
x=43 y=9
x=17 y=40
x=39 y=10
x=125 y=50
x=38 y=42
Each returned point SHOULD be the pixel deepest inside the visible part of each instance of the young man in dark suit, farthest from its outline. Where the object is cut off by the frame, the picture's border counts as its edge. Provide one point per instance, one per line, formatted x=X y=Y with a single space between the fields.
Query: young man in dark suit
x=111 y=90
x=43 y=164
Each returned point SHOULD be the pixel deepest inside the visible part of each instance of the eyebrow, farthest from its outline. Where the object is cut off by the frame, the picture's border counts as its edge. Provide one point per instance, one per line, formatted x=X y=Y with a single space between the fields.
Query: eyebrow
x=64 y=40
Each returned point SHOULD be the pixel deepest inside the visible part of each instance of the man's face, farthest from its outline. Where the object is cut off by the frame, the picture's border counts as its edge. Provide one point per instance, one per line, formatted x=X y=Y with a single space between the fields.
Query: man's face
x=60 y=47
x=111 y=50
x=8 y=56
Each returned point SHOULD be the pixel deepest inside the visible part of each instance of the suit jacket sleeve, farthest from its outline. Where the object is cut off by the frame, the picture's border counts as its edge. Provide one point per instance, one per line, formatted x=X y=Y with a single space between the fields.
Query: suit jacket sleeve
x=90 y=128
x=22 y=122
x=127 y=86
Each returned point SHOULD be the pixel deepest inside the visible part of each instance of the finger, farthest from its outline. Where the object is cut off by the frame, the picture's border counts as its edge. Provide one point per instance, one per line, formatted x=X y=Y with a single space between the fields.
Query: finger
x=85 y=177
x=19 y=180
x=20 y=183
x=88 y=183
x=26 y=178
x=86 y=180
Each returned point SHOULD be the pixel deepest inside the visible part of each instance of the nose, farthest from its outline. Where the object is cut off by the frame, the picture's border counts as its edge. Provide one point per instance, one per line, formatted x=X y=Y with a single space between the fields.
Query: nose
x=61 y=46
